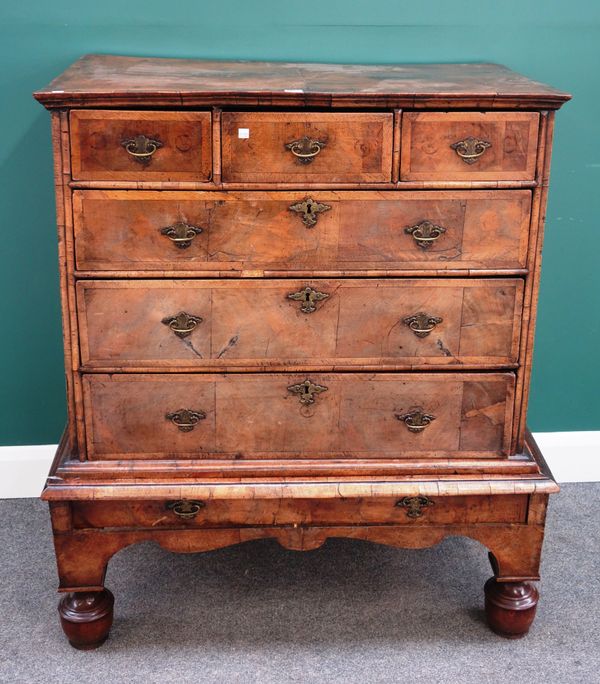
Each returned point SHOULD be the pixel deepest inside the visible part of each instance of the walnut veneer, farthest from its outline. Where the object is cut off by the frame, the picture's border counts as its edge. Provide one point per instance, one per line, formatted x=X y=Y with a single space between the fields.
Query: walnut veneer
x=299 y=303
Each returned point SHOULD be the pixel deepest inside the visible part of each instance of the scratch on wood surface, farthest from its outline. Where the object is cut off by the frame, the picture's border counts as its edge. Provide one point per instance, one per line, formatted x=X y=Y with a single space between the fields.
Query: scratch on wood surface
x=232 y=342
x=190 y=346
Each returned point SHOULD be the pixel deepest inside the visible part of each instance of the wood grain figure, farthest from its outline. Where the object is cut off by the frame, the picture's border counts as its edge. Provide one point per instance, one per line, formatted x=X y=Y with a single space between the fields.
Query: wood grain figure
x=298 y=303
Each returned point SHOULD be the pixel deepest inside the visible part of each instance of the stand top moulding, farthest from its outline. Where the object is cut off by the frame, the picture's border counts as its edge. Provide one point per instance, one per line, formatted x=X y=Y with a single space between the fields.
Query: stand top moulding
x=110 y=81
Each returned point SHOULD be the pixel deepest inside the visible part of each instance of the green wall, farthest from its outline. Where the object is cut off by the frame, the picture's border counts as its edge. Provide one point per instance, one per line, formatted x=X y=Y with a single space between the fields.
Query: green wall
x=550 y=40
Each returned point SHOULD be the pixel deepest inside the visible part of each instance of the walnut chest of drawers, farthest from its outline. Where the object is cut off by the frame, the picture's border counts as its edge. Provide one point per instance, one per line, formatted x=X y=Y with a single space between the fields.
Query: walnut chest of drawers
x=299 y=303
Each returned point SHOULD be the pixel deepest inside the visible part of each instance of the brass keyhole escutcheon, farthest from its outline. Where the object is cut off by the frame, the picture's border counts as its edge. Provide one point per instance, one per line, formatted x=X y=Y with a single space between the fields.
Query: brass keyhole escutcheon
x=470 y=149
x=414 y=505
x=185 y=508
x=309 y=210
x=308 y=297
x=306 y=391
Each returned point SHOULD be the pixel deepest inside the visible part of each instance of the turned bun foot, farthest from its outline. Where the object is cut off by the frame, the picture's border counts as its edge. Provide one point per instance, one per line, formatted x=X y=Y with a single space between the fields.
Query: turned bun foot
x=510 y=607
x=86 y=617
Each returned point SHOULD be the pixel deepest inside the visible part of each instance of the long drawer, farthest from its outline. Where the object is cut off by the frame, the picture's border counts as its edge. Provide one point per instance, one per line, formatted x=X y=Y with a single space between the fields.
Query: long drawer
x=233 y=232
x=217 y=513
x=399 y=323
x=290 y=415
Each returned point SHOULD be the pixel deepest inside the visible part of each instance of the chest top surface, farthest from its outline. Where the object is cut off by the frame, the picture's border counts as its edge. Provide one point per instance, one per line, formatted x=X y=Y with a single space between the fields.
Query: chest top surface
x=105 y=80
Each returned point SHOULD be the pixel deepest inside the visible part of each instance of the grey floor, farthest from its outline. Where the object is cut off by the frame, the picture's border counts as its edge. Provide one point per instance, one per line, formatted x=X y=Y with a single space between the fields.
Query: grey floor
x=348 y=612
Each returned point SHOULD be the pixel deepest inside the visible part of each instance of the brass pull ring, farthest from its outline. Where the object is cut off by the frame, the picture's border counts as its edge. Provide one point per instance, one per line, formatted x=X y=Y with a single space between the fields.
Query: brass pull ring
x=185 y=419
x=181 y=234
x=141 y=148
x=305 y=149
x=181 y=332
x=470 y=149
x=425 y=233
x=416 y=420
x=185 y=508
x=182 y=324
x=422 y=323
x=130 y=147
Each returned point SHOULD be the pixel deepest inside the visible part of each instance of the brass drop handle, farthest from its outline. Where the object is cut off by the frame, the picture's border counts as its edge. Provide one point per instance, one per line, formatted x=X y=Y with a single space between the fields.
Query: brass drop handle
x=416 y=420
x=185 y=419
x=182 y=324
x=305 y=148
x=470 y=149
x=414 y=505
x=181 y=234
x=185 y=508
x=141 y=148
x=425 y=233
x=422 y=323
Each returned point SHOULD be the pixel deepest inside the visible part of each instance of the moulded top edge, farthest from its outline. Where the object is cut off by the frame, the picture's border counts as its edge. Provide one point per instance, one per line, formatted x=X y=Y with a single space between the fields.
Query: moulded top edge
x=107 y=80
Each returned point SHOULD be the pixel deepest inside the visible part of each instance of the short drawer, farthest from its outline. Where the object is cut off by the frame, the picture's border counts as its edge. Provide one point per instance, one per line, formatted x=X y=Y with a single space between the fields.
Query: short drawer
x=230 y=232
x=401 y=323
x=463 y=146
x=214 y=513
x=289 y=147
x=141 y=146
x=298 y=415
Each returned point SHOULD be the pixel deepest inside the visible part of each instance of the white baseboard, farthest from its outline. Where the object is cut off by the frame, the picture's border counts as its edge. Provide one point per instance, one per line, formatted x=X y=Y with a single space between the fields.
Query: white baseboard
x=572 y=457
x=23 y=469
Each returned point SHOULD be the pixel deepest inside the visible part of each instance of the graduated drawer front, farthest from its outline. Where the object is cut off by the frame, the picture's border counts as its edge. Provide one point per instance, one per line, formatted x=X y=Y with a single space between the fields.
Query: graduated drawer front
x=345 y=148
x=341 y=231
x=250 y=416
x=254 y=323
x=463 y=146
x=163 y=146
x=350 y=511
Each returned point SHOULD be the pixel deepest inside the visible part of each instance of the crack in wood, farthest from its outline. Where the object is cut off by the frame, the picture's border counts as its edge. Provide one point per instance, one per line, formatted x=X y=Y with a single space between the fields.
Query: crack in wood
x=443 y=349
